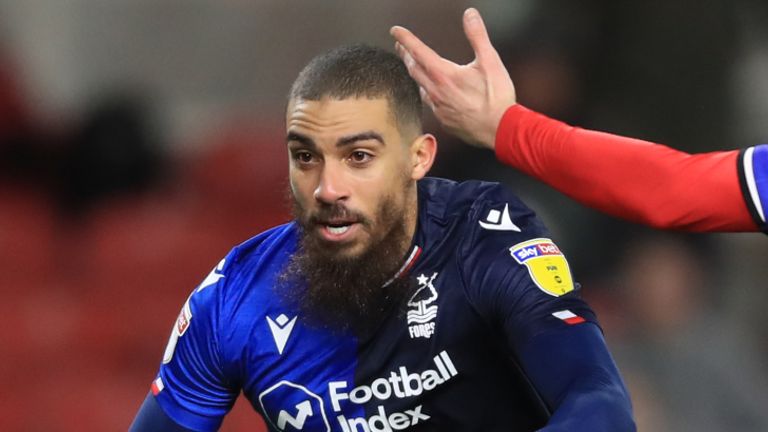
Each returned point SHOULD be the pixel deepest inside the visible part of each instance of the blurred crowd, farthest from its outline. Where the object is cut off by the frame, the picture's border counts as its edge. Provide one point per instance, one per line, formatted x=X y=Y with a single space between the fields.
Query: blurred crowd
x=117 y=200
x=103 y=233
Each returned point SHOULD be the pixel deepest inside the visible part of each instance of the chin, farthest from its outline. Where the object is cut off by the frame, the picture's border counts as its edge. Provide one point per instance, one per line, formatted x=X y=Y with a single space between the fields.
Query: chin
x=351 y=251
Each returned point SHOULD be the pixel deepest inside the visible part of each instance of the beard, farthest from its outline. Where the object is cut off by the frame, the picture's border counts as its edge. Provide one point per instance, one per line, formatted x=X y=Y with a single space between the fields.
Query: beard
x=342 y=292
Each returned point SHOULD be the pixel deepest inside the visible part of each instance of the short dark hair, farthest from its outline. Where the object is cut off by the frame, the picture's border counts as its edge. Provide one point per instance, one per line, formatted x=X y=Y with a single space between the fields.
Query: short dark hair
x=353 y=71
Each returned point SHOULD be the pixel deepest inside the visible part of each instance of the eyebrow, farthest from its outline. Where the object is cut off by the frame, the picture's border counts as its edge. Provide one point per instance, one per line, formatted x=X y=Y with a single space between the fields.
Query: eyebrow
x=302 y=139
x=363 y=136
x=341 y=142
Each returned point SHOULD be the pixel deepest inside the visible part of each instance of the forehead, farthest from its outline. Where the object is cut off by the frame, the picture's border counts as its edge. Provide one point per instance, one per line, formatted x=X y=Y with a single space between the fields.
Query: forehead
x=338 y=116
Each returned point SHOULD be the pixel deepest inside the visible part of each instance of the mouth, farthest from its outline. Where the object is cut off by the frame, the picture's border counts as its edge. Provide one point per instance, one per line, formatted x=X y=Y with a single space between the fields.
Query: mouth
x=337 y=231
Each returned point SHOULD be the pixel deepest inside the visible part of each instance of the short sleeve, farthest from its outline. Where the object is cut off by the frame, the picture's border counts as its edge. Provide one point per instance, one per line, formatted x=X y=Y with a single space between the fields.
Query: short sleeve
x=192 y=386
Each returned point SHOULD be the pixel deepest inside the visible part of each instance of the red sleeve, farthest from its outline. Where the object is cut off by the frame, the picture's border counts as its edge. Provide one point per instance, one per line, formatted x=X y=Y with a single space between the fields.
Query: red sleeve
x=643 y=182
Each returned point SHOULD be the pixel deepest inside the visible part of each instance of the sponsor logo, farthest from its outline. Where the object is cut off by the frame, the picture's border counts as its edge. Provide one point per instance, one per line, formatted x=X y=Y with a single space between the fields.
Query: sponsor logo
x=399 y=384
x=306 y=408
x=546 y=265
x=499 y=221
x=383 y=422
x=281 y=328
x=422 y=312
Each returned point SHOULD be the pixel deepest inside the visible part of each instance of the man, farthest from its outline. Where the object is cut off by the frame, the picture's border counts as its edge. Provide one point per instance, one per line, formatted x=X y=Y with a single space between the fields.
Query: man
x=631 y=179
x=393 y=301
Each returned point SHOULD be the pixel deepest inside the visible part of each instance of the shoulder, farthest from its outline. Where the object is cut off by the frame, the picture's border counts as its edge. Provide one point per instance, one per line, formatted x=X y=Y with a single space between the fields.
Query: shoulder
x=251 y=265
x=244 y=278
x=260 y=253
x=502 y=243
x=512 y=271
x=451 y=197
x=480 y=211
x=273 y=242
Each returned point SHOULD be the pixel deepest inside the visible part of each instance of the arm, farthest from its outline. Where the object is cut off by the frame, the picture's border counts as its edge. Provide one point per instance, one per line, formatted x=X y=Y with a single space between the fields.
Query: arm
x=577 y=380
x=557 y=343
x=631 y=179
x=521 y=282
x=192 y=390
x=152 y=418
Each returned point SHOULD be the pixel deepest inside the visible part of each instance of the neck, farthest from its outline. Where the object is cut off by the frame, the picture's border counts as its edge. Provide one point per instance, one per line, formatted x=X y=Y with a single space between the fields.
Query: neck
x=411 y=219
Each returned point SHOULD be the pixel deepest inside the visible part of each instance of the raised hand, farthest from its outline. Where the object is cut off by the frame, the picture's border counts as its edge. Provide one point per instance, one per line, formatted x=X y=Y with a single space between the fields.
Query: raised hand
x=468 y=100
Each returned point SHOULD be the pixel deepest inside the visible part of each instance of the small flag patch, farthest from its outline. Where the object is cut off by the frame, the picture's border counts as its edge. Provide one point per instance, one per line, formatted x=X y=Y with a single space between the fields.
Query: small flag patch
x=569 y=317
x=157 y=386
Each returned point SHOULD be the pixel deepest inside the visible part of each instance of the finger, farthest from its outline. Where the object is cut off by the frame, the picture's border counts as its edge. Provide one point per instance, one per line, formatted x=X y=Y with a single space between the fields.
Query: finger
x=426 y=99
x=416 y=71
x=421 y=53
x=400 y=51
x=477 y=35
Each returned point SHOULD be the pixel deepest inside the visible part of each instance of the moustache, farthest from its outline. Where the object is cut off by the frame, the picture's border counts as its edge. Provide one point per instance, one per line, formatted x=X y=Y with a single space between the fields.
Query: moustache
x=336 y=214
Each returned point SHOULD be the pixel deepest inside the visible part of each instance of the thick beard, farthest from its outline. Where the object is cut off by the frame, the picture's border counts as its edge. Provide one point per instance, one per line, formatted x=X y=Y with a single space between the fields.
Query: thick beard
x=343 y=293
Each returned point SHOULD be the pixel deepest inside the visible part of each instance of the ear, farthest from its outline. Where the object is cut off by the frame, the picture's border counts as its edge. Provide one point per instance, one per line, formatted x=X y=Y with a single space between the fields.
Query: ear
x=423 y=152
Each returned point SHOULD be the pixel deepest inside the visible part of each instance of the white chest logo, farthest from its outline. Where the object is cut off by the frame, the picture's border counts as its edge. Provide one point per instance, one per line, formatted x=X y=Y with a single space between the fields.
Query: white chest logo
x=291 y=407
x=421 y=311
x=281 y=329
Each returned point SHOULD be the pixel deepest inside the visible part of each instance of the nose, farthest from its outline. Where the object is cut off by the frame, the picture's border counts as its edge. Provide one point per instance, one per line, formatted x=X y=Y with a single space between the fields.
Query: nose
x=332 y=186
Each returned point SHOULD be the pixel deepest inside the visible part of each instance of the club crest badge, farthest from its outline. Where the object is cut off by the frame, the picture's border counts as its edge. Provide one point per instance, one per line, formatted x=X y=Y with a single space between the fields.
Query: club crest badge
x=546 y=265
x=421 y=308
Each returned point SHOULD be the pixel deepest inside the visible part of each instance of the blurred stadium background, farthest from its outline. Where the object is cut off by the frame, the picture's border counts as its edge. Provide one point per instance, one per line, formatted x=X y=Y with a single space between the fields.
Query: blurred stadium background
x=140 y=140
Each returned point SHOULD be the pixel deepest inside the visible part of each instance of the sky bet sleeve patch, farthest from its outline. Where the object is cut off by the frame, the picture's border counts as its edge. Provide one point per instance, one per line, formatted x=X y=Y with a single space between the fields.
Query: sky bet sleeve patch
x=547 y=266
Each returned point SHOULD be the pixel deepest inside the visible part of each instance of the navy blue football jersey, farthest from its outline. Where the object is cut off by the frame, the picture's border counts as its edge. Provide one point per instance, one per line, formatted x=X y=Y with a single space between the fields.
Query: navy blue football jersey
x=463 y=353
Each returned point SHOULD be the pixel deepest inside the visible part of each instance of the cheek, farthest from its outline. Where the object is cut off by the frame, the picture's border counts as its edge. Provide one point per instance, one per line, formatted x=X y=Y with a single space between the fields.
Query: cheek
x=301 y=187
x=390 y=199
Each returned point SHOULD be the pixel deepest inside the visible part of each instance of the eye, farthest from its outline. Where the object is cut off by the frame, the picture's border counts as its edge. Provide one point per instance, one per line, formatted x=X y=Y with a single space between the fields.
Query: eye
x=360 y=157
x=303 y=157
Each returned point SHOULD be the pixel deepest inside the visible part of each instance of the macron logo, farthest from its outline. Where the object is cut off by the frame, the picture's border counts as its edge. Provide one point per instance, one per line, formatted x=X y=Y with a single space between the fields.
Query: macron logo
x=281 y=329
x=499 y=221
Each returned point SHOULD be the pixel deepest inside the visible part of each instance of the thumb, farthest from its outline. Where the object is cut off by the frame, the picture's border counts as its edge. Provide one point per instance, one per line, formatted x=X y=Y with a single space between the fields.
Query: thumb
x=477 y=35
